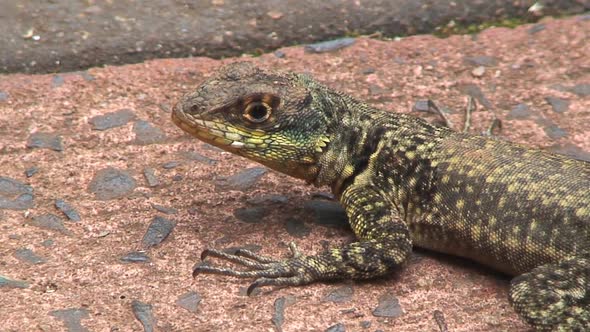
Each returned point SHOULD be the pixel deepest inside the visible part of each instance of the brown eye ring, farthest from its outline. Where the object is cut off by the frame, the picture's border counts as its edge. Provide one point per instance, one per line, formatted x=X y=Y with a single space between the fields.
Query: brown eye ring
x=257 y=112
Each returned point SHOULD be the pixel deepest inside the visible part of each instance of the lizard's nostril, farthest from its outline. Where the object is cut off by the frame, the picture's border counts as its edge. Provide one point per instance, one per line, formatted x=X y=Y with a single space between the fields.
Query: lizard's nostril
x=194 y=109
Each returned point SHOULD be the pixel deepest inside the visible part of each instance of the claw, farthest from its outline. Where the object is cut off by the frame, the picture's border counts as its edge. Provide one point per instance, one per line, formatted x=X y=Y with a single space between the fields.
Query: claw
x=205 y=253
x=251 y=288
x=197 y=269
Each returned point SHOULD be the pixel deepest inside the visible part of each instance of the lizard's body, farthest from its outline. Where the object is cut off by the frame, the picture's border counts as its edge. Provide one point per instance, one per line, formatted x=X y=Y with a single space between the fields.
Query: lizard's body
x=406 y=182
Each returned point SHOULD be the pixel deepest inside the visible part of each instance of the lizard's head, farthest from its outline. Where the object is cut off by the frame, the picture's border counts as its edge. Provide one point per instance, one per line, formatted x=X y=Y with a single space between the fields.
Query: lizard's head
x=265 y=116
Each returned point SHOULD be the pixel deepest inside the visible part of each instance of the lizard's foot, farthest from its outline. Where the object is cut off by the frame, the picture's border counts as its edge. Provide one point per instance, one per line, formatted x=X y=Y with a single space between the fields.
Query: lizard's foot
x=297 y=270
x=554 y=297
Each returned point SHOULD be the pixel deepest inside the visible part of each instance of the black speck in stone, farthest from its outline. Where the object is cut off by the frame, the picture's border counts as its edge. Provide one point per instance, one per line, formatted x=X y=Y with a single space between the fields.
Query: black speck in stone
x=31 y=171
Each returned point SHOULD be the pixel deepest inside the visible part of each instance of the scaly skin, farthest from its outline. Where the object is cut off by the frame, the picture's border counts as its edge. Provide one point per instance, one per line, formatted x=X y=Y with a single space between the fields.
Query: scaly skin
x=405 y=182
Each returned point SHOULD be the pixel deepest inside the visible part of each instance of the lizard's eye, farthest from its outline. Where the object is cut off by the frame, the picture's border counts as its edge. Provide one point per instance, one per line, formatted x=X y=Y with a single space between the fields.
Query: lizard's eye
x=257 y=112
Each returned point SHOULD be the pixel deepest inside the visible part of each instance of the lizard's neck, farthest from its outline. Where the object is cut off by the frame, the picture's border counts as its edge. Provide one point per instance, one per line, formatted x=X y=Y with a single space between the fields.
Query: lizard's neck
x=359 y=133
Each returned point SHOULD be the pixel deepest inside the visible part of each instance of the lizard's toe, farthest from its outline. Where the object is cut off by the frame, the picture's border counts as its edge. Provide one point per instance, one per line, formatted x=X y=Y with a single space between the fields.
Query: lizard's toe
x=297 y=270
x=295 y=280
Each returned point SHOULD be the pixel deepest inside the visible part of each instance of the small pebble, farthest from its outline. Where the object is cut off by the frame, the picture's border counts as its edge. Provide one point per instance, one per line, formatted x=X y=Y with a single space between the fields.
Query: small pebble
x=555 y=132
x=189 y=301
x=28 y=256
x=150 y=177
x=194 y=156
x=57 y=81
x=112 y=120
x=15 y=195
x=164 y=209
x=146 y=133
x=481 y=60
x=110 y=183
x=144 y=314
x=170 y=164
x=251 y=214
x=557 y=104
x=520 y=112
x=475 y=92
x=478 y=71
x=329 y=46
x=47 y=243
x=11 y=283
x=243 y=180
x=278 y=315
x=51 y=222
x=536 y=28
x=422 y=105
x=41 y=140
x=268 y=199
x=29 y=172
x=72 y=318
x=136 y=257
x=86 y=76
x=582 y=90
x=68 y=210
x=157 y=231
x=336 y=328
x=339 y=295
x=388 y=307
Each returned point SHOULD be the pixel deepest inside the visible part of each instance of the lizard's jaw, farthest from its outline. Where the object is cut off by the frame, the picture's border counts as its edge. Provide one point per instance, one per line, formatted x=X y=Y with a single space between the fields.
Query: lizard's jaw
x=207 y=131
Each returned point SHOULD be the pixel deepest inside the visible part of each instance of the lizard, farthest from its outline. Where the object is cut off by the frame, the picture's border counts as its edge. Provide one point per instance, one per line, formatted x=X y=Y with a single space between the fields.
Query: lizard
x=404 y=182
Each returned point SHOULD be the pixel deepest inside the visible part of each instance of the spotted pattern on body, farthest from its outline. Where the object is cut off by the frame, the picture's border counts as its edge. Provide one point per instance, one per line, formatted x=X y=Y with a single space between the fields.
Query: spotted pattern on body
x=404 y=182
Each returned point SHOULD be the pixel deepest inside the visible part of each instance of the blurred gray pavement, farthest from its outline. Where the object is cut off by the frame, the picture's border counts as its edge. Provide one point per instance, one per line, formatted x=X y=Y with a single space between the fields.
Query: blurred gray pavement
x=54 y=36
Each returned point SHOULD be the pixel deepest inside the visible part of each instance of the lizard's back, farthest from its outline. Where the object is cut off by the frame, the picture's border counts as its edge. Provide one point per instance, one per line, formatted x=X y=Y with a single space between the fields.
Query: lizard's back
x=505 y=205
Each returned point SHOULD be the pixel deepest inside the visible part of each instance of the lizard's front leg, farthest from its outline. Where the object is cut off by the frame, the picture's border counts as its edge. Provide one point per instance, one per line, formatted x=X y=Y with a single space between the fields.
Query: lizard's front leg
x=384 y=244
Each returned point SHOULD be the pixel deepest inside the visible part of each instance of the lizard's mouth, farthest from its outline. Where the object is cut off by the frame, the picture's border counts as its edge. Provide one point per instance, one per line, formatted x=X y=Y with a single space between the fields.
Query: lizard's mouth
x=211 y=132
